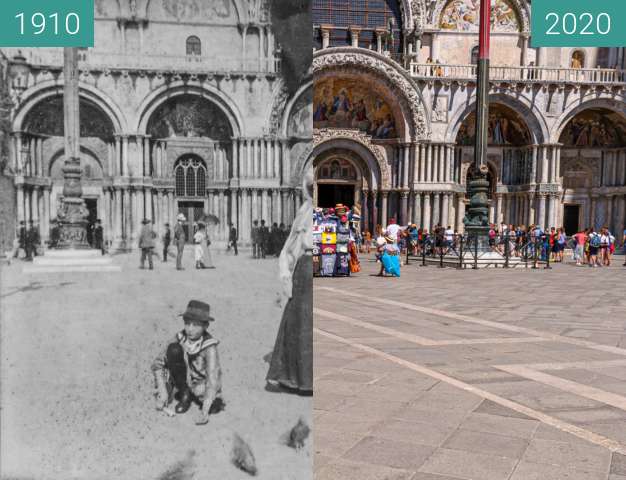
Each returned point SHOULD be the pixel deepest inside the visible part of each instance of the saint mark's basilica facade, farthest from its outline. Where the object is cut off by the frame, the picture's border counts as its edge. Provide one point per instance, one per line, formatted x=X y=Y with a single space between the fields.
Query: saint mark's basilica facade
x=394 y=101
x=183 y=109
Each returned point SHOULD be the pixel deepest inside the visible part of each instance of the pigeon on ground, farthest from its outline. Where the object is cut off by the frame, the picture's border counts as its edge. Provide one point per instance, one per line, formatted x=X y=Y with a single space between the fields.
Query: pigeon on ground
x=242 y=456
x=298 y=435
x=183 y=470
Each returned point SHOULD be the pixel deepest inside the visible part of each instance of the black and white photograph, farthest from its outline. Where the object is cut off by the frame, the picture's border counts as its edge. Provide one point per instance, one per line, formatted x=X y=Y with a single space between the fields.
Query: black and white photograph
x=155 y=249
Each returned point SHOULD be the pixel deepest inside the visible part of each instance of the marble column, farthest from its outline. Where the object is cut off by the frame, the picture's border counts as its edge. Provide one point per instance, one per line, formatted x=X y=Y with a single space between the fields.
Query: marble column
x=417 y=209
x=441 y=160
x=407 y=163
x=541 y=211
x=384 y=208
x=427 y=211
x=404 y=198
x=530 y=218
x=460 y=213
x=499 y=217
x=21 y=217
x=445 y=210
x=365 y=211
x=46 y=211
x=374 y=211
x=429 y=163
x=34 y=205
x=436 y=204
x=124 y=160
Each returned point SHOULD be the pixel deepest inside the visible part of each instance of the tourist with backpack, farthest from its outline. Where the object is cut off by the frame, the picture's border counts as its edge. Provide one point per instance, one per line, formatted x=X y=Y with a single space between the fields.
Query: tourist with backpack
x=594 y=246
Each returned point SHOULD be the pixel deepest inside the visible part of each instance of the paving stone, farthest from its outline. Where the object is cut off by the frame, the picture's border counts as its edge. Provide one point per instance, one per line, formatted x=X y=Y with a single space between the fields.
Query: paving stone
x=413 y=432
x=573 y=454
x=533 y=471
x=509 y=426
x=487 y=443
x=618 y=464
x=469 y=465
x=343 y=470
x=391 y=453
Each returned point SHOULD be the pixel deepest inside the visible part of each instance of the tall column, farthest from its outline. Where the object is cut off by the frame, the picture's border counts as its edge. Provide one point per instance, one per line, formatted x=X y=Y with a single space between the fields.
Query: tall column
x=436 y=208
x=460 y=213
x=545 y=163
x=404 y=198
x=421 y=161
x=609 y=212
x=405 y=171
x=365 y=211
x=222 y=215
x=117 y=169
x=277 y=151
x=621 y=217
x=21 y=217
x=34 y=205
x=429 y=163
x=533 y=171
x=427 y=211
x=284 y=198
x=374 y=211
x=445 y=210
x=384 y=207
x=441 y=160
x=144 y=144
x=254 y=209
x=541 y=211
x=148 y=202
x=46 y=211
x=524 y=56
x=234 y=159
x=125 y=159
x=417 y=209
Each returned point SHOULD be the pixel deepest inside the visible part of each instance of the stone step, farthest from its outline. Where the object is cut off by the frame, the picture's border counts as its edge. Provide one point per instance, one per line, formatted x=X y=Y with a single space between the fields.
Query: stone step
x=86 y=253
x=72 y=261
x=37 y=269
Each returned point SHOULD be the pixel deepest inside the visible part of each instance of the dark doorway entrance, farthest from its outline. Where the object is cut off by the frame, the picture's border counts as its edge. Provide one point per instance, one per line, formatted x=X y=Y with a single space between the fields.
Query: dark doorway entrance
x=571 y=214
x=329 y=195
x=92 y=207
x=193 y=211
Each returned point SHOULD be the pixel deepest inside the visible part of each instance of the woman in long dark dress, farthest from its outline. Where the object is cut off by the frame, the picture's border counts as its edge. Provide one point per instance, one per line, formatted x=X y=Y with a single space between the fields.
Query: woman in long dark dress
x=292 y=359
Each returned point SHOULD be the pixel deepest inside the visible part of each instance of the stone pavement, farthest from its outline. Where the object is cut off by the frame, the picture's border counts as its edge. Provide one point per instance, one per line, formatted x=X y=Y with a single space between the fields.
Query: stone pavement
x=77 y=387
x=477 y=375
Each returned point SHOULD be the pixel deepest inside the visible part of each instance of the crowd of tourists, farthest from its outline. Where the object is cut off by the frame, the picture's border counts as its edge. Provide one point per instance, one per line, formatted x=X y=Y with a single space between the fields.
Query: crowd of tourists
x=592 y=247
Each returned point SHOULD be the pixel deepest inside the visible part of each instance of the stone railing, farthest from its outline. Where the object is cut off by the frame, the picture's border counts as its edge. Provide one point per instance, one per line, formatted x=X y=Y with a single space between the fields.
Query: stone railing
x=179 y=63
x=591 y=76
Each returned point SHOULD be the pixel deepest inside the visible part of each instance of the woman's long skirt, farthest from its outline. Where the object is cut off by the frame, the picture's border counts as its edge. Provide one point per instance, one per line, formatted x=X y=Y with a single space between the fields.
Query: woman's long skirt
x=292 y=359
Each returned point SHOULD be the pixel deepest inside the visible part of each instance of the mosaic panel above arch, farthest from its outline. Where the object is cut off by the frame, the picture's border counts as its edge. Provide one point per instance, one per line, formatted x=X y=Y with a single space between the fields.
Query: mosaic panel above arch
x=505 y=127
x=352 y=103
x=299 y=124
x=464 y=15
x=46 y=118
x=189 y=116
x=594 y=128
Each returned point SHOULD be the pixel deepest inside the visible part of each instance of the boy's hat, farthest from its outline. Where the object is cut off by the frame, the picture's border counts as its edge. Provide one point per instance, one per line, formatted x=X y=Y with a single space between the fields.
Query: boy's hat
x=197 y=311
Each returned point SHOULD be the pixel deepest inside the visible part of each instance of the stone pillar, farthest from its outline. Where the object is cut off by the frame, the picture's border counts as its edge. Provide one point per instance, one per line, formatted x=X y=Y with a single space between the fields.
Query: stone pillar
x=354 y=35
x=223 y=215
x=545 y=164
x=144 y=141
x=404 y=198
x=384 y=207
x=148 y=202
x=445 y=210
x=417 y=209
x=436 y=203
x=441 y=160
x=621 y=217
x=429 y=163
x=125 y=170
x=541 y=210
x=524 y=56
x=365 y=211
x=325 y=35
x=284 y=198
x=374 y=211
x=46 y=212
x=254 y=209
x=405 y=171
x=421 y=163
x=34 y=205
x=427 y=211
x=460 y=213
x=533 y=172
x=21 y=217
x=277 y=152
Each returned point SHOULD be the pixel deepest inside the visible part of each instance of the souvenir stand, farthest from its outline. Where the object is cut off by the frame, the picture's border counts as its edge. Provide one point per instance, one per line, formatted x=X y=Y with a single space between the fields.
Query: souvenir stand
x=333 y=242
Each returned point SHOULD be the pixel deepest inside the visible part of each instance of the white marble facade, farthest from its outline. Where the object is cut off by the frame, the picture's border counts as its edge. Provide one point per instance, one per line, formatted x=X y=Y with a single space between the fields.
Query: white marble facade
x=193 y=85
x=557 y=149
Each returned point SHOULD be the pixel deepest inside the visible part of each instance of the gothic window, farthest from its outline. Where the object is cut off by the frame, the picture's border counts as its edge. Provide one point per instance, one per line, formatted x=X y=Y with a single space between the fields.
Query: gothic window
x=474 y=56
x=194 y=46
x=190 y=173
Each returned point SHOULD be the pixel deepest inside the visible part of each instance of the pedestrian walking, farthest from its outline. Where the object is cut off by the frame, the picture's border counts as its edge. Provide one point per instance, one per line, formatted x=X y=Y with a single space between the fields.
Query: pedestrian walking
x=264 y=238
x=179 y=239
x=21 y=236
x=167 y=239
x=98 y=236
x=146 y=243
x=232 y=239
x=32 y=240
x=254 y=235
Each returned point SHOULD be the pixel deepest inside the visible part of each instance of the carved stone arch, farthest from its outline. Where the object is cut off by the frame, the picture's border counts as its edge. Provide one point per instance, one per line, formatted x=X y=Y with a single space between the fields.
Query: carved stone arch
x=58 y=156
x=46 y=90
x=158 y=97
x=409 y=98
x=305 y=92
x=373 y=154
x=359 y=165
x=617 y=105
x=418 y=16
x=528 y=111
x=521 y=8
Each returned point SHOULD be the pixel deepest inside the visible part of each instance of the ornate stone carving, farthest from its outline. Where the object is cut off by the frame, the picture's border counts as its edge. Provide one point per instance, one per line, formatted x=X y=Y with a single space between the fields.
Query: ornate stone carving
x=399 y=82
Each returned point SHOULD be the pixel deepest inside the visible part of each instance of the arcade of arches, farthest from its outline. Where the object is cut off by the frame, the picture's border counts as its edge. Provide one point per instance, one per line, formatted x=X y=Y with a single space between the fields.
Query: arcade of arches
x=188 y=161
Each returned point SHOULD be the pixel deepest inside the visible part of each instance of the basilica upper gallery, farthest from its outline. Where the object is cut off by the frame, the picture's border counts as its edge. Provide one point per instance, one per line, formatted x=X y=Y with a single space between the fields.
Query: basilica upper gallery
x=394 y=117
x=183 y=109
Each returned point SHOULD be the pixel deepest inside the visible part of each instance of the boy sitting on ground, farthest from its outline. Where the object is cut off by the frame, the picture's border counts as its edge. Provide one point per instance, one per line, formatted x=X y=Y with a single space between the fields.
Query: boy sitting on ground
x=190 y=365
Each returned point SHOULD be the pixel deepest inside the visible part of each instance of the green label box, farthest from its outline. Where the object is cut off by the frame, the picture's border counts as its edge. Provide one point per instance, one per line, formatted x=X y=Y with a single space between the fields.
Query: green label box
x=46 y=23
x=578 y=23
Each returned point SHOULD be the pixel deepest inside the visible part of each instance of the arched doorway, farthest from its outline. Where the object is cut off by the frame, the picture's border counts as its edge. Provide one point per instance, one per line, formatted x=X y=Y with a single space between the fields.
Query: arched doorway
x=592 y=158
x=190 y=175
x=337 y=181
x=43 y=130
